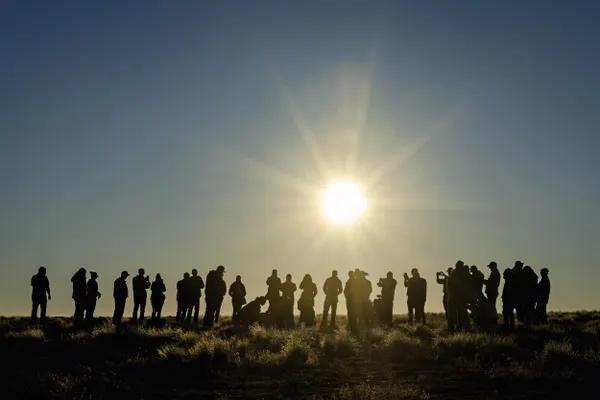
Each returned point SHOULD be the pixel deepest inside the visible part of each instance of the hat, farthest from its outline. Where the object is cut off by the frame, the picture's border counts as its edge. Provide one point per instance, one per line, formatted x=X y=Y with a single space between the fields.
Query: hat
x=221 y=268
x=492 y=264
x=124 y=273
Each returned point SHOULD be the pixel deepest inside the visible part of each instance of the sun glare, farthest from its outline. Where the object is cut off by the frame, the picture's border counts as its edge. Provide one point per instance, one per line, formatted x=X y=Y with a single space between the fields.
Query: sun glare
x=343 y=202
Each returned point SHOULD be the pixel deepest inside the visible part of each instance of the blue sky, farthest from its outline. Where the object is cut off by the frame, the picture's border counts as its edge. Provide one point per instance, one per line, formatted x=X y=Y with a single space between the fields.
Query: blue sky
x=174 y=135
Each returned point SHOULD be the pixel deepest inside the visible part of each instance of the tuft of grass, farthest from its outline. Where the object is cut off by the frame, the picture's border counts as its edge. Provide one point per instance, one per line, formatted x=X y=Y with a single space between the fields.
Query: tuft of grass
x=32 y=333
x=366 y=391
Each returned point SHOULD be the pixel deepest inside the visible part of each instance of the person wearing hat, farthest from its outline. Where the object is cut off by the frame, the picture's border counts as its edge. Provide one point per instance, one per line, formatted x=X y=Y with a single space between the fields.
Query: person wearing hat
x=92 y=296
x=216 y=288
x=120 y=294
x=40 y=288
x=492 y=288
x=416 y=293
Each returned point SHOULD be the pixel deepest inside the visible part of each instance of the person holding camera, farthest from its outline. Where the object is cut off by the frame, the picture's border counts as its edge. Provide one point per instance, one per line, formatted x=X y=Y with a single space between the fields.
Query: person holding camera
x=416 y=293
x=140 y=284
x=388 y=288
x=442 y=279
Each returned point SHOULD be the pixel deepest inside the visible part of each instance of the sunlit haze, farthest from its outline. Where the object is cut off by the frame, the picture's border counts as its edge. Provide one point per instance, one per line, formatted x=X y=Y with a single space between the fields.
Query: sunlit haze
x=178 y=135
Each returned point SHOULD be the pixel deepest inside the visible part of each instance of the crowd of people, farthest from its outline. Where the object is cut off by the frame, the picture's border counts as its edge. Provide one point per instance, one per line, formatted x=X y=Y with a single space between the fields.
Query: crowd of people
x=467 y=295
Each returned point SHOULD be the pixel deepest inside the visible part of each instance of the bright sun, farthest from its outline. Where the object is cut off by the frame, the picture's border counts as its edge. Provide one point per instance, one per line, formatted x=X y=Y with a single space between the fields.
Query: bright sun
x=343 y=202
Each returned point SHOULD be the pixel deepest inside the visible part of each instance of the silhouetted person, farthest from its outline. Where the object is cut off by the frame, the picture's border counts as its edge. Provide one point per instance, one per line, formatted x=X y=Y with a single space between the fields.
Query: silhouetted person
x=442 y=279
x=492 y=287
x=529 y=282
x=416 y=293
x=140 y=283
x=92 y=296
x=543 y=296
x=509 y=298
x=288 y=290
x=273 y=288
x=237 y=291
x=40 y=288
x=477 y=282
x=157 y=296
x=363 y=289
x=183 y=297
x=196 y=284
x=306 y=303
x=518 y=291
x=458 y=297
x=388 y=290
x=332 y=289
x=250 y=313
x=350 y=295
x=79 y=295
x=120 y=294
x=216 y=289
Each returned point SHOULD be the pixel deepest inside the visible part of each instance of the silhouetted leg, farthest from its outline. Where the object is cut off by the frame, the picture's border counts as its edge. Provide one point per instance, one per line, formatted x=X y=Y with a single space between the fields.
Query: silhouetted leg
x=119 y=311
x=218 y=304
x=43 y=305
x=142 y=310
x=411 y=314
x=196 y=308
x=208 y=315
x=326 y=306
x=544 y=313
x=333 y=313
x=34 y=308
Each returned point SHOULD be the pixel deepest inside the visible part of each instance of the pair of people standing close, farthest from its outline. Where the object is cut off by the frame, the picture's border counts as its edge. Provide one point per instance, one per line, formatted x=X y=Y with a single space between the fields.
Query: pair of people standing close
x=85 y=295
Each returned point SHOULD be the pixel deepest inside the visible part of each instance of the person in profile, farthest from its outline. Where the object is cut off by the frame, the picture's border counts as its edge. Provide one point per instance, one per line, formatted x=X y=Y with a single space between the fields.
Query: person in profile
x=273 y=288
x=92 y=297
x=120 y=294
x=529 y=281
x=543 y=296
x=237 y=291
x=492 y=287
x=477 y=282
x=288 y=290
x=350 y=295
x=195 y=284
x=509 y=299
x=183 y=298
x=40 y=294
x=140 y=283
x=250 y=313
x=388 y=289
x=157 y=296
x=332 y=289
x=306 y=303
x=416 y=293
x=442 y=279
x=79 y=295
x=216 y=288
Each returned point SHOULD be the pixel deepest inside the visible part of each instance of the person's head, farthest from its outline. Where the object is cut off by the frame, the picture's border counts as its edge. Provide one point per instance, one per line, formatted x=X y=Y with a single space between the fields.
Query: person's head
x=507 y=273
x=274 y=272
x=288 y=277
x=414 y=272
x=390 y=275
x=141 y=272
x=186 y=275
x=158 y=277
x=308 y=278
x=450 y=270
x=356 y=272
x=474 y=268
x=221 y=269
x=124 y=274
x=350 y=274
x=459 y=264
x=493 y=265
x=81 y=271
x=238 y=278
x=94 y=275
x=518 y=266
x=194 y=272
x=42 y=270
x=544 y=272
x=334 y=273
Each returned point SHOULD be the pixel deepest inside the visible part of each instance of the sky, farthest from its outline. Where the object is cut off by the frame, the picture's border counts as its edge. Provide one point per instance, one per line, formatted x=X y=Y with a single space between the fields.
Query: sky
x=178 y=135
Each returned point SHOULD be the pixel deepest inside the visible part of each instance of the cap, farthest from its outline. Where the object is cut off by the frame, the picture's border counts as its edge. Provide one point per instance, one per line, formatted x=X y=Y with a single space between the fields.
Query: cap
x=124 y=273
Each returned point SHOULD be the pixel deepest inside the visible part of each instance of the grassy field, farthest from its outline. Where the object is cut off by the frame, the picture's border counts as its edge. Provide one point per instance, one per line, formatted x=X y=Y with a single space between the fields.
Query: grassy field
x=422 y=362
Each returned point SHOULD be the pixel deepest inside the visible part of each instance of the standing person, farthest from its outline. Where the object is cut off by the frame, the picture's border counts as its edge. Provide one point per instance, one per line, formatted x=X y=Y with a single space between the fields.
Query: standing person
x=306 y=303
x=530 y=287
x=216 y=289
x=492 y=287
x=120 y=294
x=543 y=296
x=332 y=289
x=442 y=279
x=196 y=284
x=509 y=298
x=40 y=288
x=157 y=296
x=92 y=296
x=140 y=284
x=288 y=288
x=363 y=290
x=416 y=293
x=237 y=291
x=79 y=295
x=273 y=288
x=458 y=297
x=518 y=290
x=350 y=294
x=388 y=289
x=183 y=297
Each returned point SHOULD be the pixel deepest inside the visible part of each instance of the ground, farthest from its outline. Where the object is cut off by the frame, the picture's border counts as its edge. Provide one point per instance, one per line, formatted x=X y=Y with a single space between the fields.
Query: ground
x=422 y=362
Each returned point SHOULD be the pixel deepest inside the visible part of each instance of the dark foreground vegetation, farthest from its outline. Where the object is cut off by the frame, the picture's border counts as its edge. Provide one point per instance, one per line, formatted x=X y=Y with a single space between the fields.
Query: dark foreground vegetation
x=560 y=360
